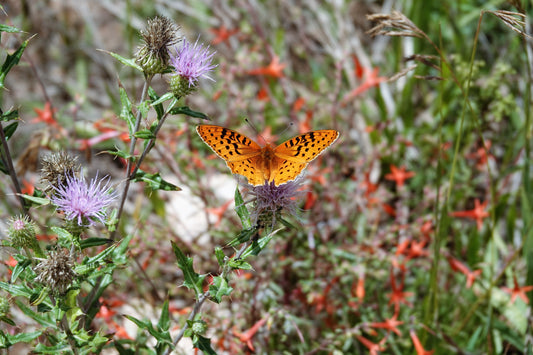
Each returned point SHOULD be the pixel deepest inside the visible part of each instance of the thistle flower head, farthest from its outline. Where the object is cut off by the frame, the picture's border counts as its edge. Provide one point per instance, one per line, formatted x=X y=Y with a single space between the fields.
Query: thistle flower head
x=271 y=200
x=22 y=232
x=57 y=271
x=56 y=167
x=84 y=202
x=160 y=33
x=190 y=62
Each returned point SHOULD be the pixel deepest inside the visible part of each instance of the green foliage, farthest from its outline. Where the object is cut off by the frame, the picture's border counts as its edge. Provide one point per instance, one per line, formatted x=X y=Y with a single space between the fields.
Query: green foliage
x=370 y=260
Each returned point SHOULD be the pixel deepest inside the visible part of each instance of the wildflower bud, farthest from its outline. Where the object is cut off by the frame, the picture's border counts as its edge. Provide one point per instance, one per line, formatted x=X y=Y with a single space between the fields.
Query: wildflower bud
x=57 y=271
x=199 y=327
x=190 y=62
x=160 y=33
x=55 y=169
x=22 y=232
x=4 y=307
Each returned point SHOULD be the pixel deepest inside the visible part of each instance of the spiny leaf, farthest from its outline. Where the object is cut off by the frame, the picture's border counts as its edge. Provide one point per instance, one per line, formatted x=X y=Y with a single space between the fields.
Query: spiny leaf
x=126 y=113
x=155 y=181
x=185 y=110
x=191 y=279
x=203 y=344
x=11 y=61
x=219 y=288
x=241 y=210
x=130 y=62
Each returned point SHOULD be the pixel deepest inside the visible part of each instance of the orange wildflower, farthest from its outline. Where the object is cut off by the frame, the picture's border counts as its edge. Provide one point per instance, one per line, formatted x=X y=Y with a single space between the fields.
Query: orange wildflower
x=222 y=34
x=518 y=291
x=273 y=70
x=418 y=345
x=478 y=213
x=399 y=175
x=456 y=265
x=247 y=336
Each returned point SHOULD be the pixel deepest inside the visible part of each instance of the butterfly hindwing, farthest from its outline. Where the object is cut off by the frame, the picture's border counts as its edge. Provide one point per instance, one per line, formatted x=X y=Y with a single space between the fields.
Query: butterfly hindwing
x=228 y=144
x=249 y=168
x=306 y=147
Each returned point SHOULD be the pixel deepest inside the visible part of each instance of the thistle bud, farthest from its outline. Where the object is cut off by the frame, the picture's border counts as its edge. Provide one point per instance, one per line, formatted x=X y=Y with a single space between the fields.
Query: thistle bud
x=22 y=232
x=199 y=327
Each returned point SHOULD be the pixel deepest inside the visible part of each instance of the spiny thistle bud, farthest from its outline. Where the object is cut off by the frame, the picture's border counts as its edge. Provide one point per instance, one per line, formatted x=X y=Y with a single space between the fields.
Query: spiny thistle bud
x=22 y=232
x=199 y=327
x=190 y=62
x=84 y=203
x=271 y=200
x=55 y=169
x=160 y=33
x=57 y=271
x=4 y=307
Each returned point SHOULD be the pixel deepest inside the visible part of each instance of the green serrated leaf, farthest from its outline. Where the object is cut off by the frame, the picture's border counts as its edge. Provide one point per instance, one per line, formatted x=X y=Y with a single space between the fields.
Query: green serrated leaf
x=164 y=319
x=239 y=264
x=138 y=322
x=120 y=154
x=38 y=201
x=219 y=288
x=9 y=29
x=21 y=337
x=38 y=298
x=16 y=290
x=126 y=112
x=287 y=223
x=203 y=344
x=259 y=245
x=191 y=279
x=157 y=101
x=243 y=236
x=10 y=129
x=185 y=110
x=62 y=233
x=158 y=107
x=219 y=253
x=130 y=62
x=144 y=134
x=241 y=210
x=155 y=181
x=7 y=320
x=94 y=242
x=11 y=61
x=9 y=116
x=19 y=268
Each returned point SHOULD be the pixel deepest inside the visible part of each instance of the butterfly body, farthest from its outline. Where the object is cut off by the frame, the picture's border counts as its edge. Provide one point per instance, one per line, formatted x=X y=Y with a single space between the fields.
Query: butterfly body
x=266 y=164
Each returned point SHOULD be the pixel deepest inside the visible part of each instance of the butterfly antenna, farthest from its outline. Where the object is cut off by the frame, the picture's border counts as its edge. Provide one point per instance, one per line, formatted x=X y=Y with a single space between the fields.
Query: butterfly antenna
x=254 y=128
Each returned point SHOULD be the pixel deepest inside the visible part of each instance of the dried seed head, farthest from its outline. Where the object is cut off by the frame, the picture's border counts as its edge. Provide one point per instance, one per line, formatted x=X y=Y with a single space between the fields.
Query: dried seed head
x=56 y=168
x=395 y=24
x=160 y=33
x=56 y=272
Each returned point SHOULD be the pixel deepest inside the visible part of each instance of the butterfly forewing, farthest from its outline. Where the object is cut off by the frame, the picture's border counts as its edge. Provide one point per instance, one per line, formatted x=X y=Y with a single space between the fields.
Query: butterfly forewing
x=228 y=144
x=306 y=147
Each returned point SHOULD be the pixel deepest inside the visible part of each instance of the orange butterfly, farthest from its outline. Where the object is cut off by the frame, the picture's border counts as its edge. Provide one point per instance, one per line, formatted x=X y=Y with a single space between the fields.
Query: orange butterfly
x=266 y=164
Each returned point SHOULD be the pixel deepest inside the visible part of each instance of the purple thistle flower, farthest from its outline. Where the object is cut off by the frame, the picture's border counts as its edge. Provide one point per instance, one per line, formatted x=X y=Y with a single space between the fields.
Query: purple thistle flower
x=270 y=200
x=192 y=62
x=85 y=202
